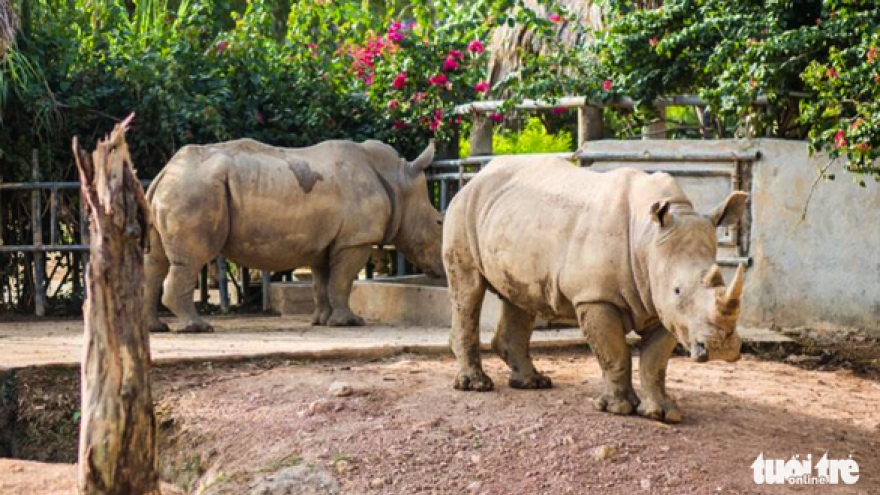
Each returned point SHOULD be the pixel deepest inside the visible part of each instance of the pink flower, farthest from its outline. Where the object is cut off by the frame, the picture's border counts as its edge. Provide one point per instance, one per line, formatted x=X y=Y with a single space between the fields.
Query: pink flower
x=840 y=139
x=399 y=125
x=418 y=97
x=606 y=86
x=438 y=80
x=832 y=73
x=399 y=81
x=450 y=64
x=395 y=36
x=456 y=54
x=481 y=87
x=496 y=117
x=221 y=47
x=554 y=17
x=393 y=104
x=653 y=42
x=558 y=111
x=475 y=46
x=394 y=27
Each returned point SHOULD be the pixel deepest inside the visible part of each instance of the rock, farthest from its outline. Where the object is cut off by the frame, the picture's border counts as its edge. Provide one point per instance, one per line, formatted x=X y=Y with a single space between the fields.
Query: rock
x=298 y=480
x=529 y=430
x=377 y=483
x=340 y=389
x=645 y=484
x=475 y=486
x=318 y=406
x=604 y=453
x=476 y=458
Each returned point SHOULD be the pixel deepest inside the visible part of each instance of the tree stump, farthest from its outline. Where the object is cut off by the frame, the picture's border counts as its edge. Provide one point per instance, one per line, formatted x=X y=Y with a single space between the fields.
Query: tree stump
x=118 y=444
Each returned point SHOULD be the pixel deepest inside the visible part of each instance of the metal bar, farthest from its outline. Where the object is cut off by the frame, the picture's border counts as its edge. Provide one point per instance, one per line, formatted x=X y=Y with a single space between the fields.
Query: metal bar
x=580 y=101
x=85 y=240
x=222 y=285
x=444 y=192
x=45 y=248
x=203 y=285
x=635 y=156
x=28 y=186
x=37 y=227
x=735 y=261
x=53 y=215
x=401 y=264
x=266 y=279
x=484 y=159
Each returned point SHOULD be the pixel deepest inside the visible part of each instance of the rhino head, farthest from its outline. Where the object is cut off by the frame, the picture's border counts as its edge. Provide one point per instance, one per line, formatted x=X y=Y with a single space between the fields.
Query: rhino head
x=687 y=287
x=421 y=225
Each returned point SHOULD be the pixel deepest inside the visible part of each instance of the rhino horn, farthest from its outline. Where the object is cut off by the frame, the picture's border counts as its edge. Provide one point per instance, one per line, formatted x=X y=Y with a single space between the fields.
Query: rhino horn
x=732 y=296
x=424 y=160
x=713 y=277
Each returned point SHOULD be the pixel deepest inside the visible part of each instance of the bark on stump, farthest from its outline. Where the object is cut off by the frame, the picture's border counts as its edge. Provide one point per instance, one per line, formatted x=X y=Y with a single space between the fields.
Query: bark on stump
x=118 y=444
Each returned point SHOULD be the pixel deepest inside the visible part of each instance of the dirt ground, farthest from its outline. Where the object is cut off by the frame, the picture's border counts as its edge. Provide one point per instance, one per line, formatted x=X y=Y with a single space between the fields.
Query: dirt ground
x=252 y=429
x=271 y=427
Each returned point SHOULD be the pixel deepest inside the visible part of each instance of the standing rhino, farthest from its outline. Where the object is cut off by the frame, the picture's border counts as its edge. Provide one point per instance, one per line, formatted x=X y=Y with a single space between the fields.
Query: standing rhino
x=617 y=251
x=281 y=208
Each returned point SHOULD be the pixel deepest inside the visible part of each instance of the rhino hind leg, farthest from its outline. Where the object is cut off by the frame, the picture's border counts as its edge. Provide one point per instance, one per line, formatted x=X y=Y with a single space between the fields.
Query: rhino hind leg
x=656 y=350
x=467 y=288
x=178 y=297
x=511 y=342
x=155 y=269
x=344 y=267
x=320 y=281
x=604 y=330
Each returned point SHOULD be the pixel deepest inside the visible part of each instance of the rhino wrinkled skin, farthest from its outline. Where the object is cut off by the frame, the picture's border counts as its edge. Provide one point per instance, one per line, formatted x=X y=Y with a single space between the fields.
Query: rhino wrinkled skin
x=616 y=251
x=274 y=208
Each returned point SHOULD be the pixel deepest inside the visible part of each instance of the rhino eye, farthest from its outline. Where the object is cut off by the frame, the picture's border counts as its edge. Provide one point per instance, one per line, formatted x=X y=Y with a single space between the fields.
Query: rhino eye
x=677 y=291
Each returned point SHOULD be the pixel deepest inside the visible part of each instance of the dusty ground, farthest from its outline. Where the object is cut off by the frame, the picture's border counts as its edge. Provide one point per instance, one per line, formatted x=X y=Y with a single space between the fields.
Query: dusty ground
x=253 y=429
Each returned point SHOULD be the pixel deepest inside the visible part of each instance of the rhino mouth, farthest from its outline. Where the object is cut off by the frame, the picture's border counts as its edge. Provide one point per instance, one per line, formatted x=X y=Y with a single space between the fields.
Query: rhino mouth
x=699 y=352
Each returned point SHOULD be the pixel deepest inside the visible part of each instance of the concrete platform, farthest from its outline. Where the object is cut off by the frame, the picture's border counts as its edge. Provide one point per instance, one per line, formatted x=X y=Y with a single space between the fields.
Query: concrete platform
x=45 y=342
x=410 y=300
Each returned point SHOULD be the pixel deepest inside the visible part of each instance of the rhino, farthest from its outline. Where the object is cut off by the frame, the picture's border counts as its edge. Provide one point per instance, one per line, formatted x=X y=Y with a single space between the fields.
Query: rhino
x=274 y=208
x=615 y=251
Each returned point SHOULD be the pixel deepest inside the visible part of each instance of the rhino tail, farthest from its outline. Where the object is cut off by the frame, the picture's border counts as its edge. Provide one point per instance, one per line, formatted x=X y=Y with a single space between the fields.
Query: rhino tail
x=151 y=190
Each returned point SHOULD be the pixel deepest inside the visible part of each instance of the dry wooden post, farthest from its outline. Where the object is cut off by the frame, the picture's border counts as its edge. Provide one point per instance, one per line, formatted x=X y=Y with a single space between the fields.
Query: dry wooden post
x=117 y=449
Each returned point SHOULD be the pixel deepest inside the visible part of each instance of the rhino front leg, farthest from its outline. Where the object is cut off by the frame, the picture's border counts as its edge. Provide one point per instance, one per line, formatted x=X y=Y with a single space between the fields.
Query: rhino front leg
x=511 y=342
x=656 y=349
x=320 y=281
x=604 y=330
x=344 y=267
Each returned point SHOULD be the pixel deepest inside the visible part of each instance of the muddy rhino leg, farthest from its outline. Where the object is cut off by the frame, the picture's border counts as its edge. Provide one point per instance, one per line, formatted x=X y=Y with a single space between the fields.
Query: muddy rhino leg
x=155 y=269
x=467 y=288
x=603 y=328
x=320 y=281
x=511 y=342
x=344 y=267
x=654 y=357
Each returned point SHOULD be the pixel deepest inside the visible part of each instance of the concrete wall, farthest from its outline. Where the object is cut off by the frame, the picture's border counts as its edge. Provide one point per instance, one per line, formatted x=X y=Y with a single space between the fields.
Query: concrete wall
x=820 y=271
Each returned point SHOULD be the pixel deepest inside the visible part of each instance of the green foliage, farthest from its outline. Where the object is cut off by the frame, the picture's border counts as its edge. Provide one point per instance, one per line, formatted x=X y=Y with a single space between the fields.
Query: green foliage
x=534 y=138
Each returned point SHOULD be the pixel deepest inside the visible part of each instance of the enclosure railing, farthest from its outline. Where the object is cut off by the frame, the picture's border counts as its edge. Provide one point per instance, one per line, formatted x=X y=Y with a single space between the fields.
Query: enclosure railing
x=445 y=177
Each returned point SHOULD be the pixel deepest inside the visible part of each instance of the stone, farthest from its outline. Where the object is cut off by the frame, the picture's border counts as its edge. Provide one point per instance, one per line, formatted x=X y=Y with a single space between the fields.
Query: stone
x=604 y=453
x=340 y=389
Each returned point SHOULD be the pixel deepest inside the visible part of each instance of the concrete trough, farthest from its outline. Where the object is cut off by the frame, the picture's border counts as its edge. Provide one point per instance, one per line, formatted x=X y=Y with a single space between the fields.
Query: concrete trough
x=414 y=300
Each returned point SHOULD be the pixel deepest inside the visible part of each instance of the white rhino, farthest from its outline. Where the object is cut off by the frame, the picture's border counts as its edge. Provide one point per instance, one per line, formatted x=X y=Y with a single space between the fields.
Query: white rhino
x=274 y=208
x=616 y=251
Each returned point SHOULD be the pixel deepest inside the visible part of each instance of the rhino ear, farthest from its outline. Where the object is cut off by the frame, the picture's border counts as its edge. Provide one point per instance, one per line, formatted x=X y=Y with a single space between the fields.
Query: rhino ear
x=730 y=210
x=417 y=166
x=660 y=213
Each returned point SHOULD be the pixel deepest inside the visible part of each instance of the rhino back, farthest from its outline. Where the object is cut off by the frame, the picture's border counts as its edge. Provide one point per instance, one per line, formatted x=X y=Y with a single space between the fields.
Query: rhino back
x=549 y=236
x=285 y=206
